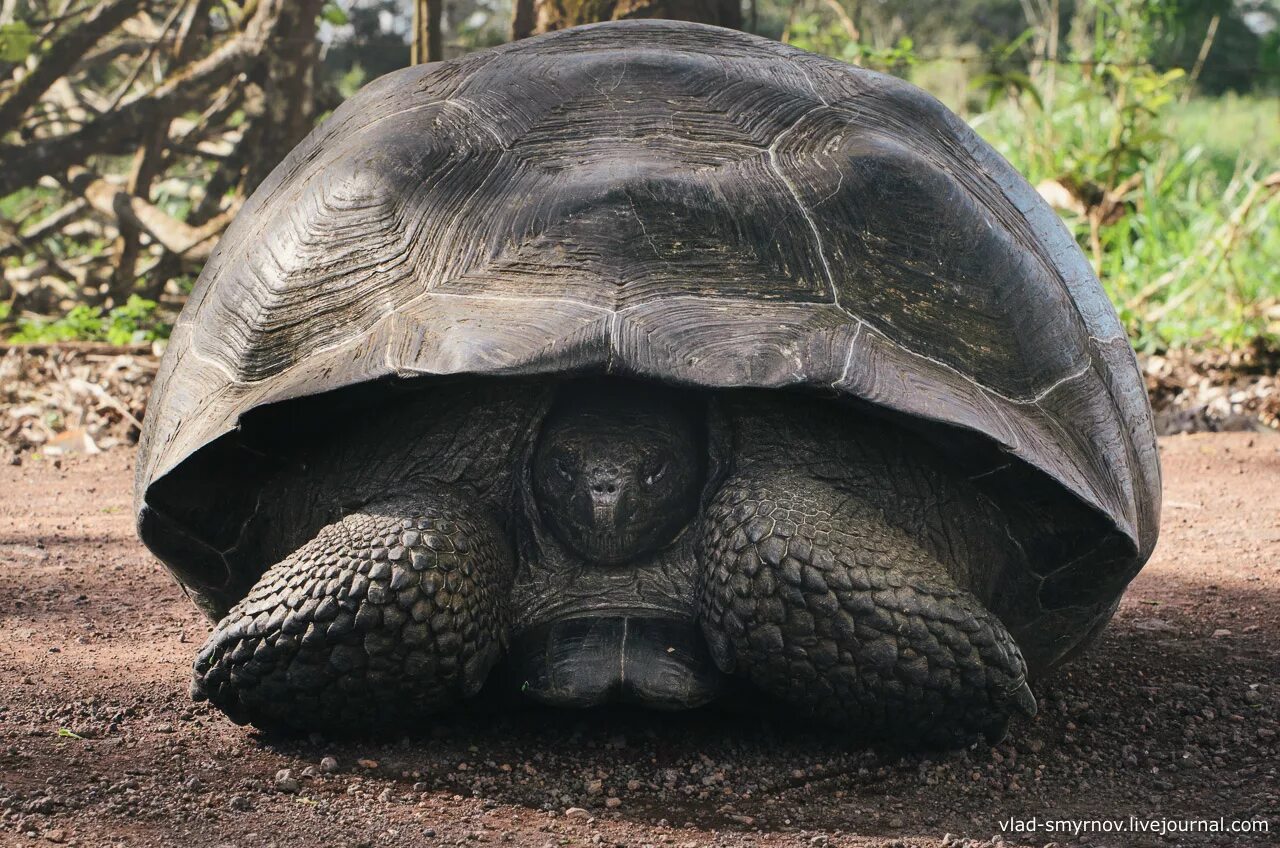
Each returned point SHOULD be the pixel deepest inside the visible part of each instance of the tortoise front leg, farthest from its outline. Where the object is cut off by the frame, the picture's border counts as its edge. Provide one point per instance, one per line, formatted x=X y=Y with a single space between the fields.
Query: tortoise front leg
x=394 y=612
x=810 y=592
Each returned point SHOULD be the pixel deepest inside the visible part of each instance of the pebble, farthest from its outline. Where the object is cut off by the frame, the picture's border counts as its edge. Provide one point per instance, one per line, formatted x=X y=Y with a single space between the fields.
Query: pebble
x=286 y=782
x=328 y=765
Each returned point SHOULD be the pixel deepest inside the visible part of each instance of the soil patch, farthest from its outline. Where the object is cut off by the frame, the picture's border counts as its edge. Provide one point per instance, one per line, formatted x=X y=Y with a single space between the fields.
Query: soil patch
x=1173 y=715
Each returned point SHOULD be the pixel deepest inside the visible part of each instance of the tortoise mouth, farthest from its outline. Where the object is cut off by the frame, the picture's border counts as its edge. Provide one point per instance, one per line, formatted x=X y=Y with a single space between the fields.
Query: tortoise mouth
x=615 y=657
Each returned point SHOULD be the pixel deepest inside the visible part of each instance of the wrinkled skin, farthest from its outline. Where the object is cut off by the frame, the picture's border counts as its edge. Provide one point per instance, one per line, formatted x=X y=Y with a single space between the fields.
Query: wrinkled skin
x=617 y=474
x=637 y=545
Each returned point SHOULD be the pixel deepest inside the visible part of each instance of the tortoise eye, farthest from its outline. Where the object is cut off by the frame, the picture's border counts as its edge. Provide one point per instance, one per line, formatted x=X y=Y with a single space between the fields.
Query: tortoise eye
x=656 y=474
x=562 y=466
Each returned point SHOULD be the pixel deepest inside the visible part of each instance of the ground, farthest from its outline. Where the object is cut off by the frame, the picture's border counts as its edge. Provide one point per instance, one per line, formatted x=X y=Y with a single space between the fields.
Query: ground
x=1172 y=715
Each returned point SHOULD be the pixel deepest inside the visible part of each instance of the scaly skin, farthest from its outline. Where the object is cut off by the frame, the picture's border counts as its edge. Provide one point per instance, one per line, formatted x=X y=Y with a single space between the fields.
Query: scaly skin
x=837 y=566
x=811 y=593
x=394 y=612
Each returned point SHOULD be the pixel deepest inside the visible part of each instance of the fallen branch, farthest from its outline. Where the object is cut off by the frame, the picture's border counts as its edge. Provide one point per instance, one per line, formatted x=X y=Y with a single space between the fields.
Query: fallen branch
x=176 y=236
x=53 y=222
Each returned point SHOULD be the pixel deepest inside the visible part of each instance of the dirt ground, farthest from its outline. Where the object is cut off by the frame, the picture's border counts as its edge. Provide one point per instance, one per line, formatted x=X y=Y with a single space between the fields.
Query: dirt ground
x=1173 y=715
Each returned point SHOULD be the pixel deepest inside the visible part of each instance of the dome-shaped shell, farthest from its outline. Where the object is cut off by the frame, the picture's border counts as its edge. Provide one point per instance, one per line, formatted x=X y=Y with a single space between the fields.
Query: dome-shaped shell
x=683 y=203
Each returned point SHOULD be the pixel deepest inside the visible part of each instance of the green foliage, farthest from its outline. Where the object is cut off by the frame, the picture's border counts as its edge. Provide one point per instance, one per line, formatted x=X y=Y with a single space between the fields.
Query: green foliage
x=1177 y=223
x=1170 y=202
x=16 y=42
x=332 y=13
x=134 y=322
x=811 y=32
x=351 y=82
x=374 y=40
x=1230 y=129
x=1245 y=54
x=1006 y=75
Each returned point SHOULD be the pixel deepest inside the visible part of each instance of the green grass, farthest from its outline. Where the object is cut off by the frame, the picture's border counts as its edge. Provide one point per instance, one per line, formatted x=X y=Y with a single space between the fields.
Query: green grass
x=135 y=322
x=1193 y=260
x=1230 y=129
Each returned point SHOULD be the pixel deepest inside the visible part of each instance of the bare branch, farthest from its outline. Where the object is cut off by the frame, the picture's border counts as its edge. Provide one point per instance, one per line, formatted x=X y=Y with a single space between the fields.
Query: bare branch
x=119 y=131
x=61 y=57
x=142 y=63
x=44 y=227
x=122 y=207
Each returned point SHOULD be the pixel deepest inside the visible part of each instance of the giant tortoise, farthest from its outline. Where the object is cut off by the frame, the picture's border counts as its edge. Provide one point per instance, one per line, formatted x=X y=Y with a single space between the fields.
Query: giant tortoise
x=633 y=362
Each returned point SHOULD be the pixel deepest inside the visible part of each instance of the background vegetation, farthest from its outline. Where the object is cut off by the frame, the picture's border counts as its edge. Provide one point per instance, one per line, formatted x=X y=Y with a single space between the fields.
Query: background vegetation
x=131 y=131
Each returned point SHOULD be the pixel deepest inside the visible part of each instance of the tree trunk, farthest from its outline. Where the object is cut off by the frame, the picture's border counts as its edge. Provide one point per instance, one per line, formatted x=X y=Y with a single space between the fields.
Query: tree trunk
x=428 y=44
x=288 y=79
x=537 y=16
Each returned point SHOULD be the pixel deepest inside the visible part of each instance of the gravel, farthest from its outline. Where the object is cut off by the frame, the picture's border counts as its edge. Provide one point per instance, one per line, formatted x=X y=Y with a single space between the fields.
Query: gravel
x=1157 y=721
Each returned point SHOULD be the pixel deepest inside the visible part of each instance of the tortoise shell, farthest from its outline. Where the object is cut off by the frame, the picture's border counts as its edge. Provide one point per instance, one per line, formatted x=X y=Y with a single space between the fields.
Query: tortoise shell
x=690 y=205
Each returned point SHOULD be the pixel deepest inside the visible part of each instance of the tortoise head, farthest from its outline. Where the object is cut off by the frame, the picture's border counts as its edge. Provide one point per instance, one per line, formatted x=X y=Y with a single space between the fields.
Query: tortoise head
x=617 y=469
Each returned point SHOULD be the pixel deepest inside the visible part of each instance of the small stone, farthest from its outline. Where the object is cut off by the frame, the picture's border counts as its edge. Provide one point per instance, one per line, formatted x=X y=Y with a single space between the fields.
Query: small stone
x=238 y=802
x=328 y=765
x=613 y=802
x=367 y=764
x=286 y=782
x=595 y=787
x=56 y=835
x=576 y=813
x=1221 y=633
